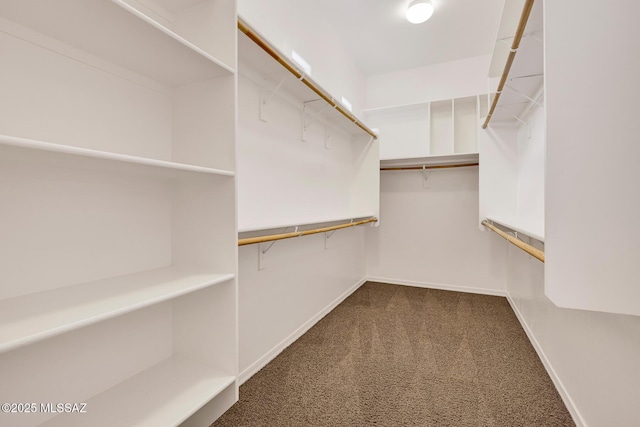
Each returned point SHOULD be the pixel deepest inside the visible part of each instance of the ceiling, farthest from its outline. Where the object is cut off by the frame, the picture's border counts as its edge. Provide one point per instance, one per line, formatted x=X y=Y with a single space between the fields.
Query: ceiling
x=381 y=40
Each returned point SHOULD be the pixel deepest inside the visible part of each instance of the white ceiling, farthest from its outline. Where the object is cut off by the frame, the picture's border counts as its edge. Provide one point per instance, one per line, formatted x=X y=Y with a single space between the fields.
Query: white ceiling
x=381 y=40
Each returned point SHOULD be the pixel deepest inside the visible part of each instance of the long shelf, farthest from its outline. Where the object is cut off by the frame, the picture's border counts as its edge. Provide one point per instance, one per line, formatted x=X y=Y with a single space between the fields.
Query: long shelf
x=521 y=226
x=164 y=395
x=443 y=160
x=282 y=236
x=138 y=42
x=31 y=318
x=315 y=221
x=24 y=143
x=531 y=250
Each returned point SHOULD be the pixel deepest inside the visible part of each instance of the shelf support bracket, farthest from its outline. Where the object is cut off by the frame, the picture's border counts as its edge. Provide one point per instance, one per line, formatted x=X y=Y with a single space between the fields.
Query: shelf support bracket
x=426 y=183
x=263 y=252
x=522 y=122
x=523 y=95
x=327 y=236
x=305 y=124
x=327 y=137
x=265 y=98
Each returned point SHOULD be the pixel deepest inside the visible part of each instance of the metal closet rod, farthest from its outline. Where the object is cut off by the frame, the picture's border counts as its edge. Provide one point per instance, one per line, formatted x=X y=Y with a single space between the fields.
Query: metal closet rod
x=271 y=51
x=535 y=252
x=410 y=168
x=281 y=236
x=524 y=18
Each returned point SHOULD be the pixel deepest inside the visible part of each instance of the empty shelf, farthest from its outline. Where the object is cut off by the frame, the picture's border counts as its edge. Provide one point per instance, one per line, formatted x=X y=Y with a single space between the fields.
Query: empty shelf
x=30 y=318
x=10 y=141
x=164 y=395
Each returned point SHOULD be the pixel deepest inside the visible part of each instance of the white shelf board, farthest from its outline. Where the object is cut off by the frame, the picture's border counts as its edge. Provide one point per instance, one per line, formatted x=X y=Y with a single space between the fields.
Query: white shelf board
x=163 y=395
x=30 y=318
x=448 y=159
x=24 y=143
x=535 y=230
x=318 y=221
x=253 y=57
x=399 y=107
x=137 y=42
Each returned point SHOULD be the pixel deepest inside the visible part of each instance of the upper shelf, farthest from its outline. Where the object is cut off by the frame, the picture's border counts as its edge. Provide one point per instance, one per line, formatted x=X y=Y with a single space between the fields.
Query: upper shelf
x=138 y=42
x=443 y=160
x=521 y=70
x=254 y=51
x=96 y=159
x=521 y=225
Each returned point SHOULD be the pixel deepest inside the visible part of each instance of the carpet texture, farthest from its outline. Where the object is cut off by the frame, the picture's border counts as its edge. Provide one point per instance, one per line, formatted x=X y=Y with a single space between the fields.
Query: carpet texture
x=403 y=356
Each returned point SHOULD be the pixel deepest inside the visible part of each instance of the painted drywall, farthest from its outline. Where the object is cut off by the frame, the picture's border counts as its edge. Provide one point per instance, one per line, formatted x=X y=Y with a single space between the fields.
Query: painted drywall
x=291 y=24
x=512 y=182
x=530 y=170
x=430 y=236
x=592 y=203
x=592 y=356
x=283 y=180
x=301 y=282
x=453 y=79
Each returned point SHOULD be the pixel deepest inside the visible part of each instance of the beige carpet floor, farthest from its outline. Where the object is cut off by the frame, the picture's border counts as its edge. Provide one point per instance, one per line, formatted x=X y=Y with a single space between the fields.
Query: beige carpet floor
x=402 y=356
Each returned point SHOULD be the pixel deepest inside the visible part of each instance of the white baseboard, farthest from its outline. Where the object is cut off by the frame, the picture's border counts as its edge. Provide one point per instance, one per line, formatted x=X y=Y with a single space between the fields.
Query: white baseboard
x=573 y=410
x=275 y=351
x=429 y=285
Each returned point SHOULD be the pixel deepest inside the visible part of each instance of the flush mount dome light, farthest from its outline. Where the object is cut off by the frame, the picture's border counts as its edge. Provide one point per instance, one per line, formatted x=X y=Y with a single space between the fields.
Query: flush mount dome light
x=419 y=11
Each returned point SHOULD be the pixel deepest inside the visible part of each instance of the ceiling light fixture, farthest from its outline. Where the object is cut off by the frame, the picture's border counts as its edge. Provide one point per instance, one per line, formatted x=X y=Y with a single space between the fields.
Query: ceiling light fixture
x=419 y=11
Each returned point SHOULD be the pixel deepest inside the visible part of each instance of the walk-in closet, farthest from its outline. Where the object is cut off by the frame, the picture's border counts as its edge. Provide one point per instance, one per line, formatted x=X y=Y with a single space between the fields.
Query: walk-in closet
x=247 y=213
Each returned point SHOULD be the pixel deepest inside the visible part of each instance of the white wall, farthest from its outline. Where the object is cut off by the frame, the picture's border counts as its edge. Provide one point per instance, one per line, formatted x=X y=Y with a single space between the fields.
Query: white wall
x=592 y=203
x=453 y=79
x=531 y=148
x=282 y=180
x=301 y=282
x=512 y=173
x=293 y=24
x=430 y=237
x=594 y=355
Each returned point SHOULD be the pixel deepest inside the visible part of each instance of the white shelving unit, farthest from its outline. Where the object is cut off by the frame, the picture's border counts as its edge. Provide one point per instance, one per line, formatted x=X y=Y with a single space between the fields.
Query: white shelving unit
x=512 y=185
x=117 y=176
x=431 y=133
x=160 y=391
x=299 y=160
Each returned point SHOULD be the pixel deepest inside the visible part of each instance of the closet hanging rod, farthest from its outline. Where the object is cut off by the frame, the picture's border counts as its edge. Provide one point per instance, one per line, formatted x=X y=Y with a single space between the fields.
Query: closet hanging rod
x=281 y=236
x=410 y=168
x=282 y=60
x=535 y=252
x=524 y=18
